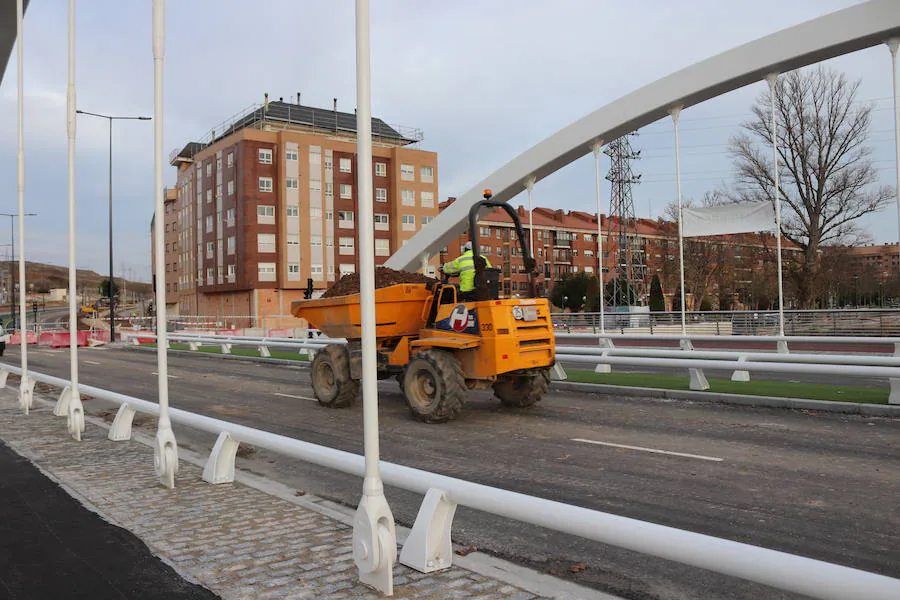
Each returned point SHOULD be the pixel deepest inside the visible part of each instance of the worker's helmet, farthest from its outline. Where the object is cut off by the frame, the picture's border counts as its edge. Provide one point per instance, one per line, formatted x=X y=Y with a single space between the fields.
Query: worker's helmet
x=467 y=246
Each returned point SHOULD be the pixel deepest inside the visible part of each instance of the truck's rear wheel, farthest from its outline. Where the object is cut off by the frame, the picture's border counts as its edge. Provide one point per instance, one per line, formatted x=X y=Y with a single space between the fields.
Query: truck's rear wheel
x=435 y=386
x=521 y=391
x=331 y=380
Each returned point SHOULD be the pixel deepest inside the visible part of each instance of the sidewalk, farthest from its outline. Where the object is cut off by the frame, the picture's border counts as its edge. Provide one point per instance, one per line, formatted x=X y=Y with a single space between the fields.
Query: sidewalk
x=232 y=539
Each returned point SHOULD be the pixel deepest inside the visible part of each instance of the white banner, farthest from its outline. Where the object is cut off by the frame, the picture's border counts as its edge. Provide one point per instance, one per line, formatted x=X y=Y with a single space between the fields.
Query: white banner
x=728 y=218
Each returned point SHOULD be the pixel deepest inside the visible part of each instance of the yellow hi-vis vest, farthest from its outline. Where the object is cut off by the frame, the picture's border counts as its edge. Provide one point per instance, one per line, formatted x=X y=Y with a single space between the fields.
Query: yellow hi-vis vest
x=464 y=266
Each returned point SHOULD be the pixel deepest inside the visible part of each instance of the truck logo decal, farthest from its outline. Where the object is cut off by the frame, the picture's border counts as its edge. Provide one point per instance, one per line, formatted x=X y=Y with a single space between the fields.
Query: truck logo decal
x=459 y=318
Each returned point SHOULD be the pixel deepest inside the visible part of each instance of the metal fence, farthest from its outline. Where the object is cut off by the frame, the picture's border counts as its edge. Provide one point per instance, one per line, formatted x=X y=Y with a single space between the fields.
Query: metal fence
x=837 y=322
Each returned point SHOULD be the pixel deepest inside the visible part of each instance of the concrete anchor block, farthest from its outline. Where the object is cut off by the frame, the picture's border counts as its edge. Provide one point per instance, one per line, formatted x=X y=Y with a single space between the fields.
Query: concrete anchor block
x=557 y=373
x=698 y=380
x=741 y=375
x=62 y=404
x=121 y=427
x=264 y=352
x=194 y=346
x=220 y=465
x=3 y=375
x=894 y=397
x=783 y=347
x=428 y=546
x=226 y=348
x=26 y=393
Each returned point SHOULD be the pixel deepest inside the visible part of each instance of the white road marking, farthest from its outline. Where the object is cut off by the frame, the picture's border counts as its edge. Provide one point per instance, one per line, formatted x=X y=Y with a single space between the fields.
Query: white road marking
x=92 y=362
x=713 y=458
x=294 y=396
x=169 y=376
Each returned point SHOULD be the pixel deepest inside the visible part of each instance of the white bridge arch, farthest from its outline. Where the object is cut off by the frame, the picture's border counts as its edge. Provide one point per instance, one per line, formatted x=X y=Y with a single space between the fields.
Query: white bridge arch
x=835 y=34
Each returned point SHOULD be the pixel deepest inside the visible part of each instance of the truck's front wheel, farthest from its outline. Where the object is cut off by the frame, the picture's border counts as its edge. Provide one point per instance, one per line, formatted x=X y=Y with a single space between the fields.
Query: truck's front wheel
x=521 y=391
x=331 y=380
x=435 y=386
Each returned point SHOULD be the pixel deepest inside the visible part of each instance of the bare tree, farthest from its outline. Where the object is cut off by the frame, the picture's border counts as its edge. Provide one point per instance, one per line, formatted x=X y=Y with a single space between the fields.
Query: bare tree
x=825 y=170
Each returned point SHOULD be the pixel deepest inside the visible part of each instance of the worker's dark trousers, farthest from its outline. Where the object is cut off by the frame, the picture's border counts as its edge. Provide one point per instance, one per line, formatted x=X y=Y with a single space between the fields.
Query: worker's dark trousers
x=467 y=296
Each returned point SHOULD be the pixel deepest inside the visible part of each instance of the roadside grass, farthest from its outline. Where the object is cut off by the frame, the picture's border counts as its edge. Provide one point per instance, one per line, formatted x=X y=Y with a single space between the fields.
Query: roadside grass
x=280 y=354
x=779 y=389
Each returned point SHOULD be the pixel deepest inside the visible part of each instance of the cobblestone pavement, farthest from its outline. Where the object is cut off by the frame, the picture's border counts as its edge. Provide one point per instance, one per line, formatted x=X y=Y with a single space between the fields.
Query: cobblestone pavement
x=235 y=540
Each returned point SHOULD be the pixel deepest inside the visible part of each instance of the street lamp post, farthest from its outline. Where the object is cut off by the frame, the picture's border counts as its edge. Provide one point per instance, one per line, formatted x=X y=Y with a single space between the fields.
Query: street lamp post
x=112 y=301
x=12 y=262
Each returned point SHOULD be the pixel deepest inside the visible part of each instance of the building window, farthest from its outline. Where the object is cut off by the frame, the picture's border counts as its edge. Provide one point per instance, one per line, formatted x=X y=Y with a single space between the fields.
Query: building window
x=345 y=219
x=265 y=242
x=265 y=156
x=218 y=192
x=591 y=253
x=381 y=194
x=426 y=174
x=229 y=159
x=329 y=165
x=293 y=240
x=290 y=155
x=346 y=191
x=484 y=231
x=315 y=186
x=209 y=169
x=209 y=224
x=265 y=215
x=329 y=215
x=210 y=276
x=315 y=212
x=427 y=220
x=231 y=187
x=291 y=183
x=293 y=210
x=219 y=162
x=210 y=248
x=265 y=184
x=407 y=173
x=345 y=165
x=588 y=237
x=589 y=269
x=231 y=274
x=329 y=190
x=329 y=241
x=409 y=222
x=380 y=169
x=382 y=222
x=230 y=245
x=347 y=269
x=382 y=247
x=315 y=271
x=209 y=196
x=346 y=245
x=427 y=199
x=408 y=197
x=294 y=271
x=315 y=241
x=266 y=271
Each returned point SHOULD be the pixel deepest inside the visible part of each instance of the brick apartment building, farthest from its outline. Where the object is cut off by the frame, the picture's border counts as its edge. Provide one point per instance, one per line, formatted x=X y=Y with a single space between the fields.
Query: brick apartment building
x=566 y=242
x=882 y=261
x=271 y=201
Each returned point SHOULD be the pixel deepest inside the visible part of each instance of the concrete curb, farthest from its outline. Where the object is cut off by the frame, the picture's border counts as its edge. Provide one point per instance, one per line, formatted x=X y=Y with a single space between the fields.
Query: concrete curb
x=301 y=364
x=866 y=410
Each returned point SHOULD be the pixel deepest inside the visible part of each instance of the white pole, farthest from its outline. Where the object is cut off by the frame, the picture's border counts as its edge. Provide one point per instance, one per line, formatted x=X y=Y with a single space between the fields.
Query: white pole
x=70 y=400
x=374 y=537
x=676 y=115
x=25 y=384
x=166 y=452
x=529 y=185
x=776 y=195
x=597 y=177
x=893 y=45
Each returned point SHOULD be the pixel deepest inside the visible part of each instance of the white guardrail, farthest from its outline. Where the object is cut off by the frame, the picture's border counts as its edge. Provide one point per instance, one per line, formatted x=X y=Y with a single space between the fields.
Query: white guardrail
x=605 y=354
x=428 y=547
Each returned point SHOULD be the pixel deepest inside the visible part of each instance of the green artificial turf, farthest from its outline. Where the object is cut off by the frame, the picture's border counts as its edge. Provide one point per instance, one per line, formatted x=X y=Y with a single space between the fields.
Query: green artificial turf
x=281 y=354
x=779 y=389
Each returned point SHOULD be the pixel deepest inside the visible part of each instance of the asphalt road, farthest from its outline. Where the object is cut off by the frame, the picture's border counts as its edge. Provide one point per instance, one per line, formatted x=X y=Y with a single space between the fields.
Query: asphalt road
x=816 y=484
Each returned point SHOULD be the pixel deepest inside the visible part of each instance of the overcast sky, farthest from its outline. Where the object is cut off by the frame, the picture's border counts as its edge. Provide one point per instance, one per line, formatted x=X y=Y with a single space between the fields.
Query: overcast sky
x=484 y=80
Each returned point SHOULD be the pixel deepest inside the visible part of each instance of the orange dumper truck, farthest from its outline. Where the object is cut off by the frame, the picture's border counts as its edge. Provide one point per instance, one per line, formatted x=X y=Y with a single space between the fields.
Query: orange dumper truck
x=437 y=346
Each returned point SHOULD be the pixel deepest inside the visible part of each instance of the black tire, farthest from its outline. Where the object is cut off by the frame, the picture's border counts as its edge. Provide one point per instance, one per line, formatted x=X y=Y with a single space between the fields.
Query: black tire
x=522 y=391
x=400 y=381
x=434 y=386
x=331 y=380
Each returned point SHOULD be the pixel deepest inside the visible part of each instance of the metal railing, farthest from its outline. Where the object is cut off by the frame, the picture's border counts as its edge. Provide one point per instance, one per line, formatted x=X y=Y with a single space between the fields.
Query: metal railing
x=837 y=322
x=428 y=546
x=225 y=343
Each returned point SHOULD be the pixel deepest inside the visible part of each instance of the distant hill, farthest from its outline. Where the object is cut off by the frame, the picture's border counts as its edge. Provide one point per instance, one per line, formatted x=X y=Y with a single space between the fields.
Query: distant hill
x=46 y=277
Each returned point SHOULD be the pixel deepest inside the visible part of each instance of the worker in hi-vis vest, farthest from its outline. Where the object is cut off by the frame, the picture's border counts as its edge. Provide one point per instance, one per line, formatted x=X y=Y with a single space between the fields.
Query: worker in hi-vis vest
x=464 y=266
